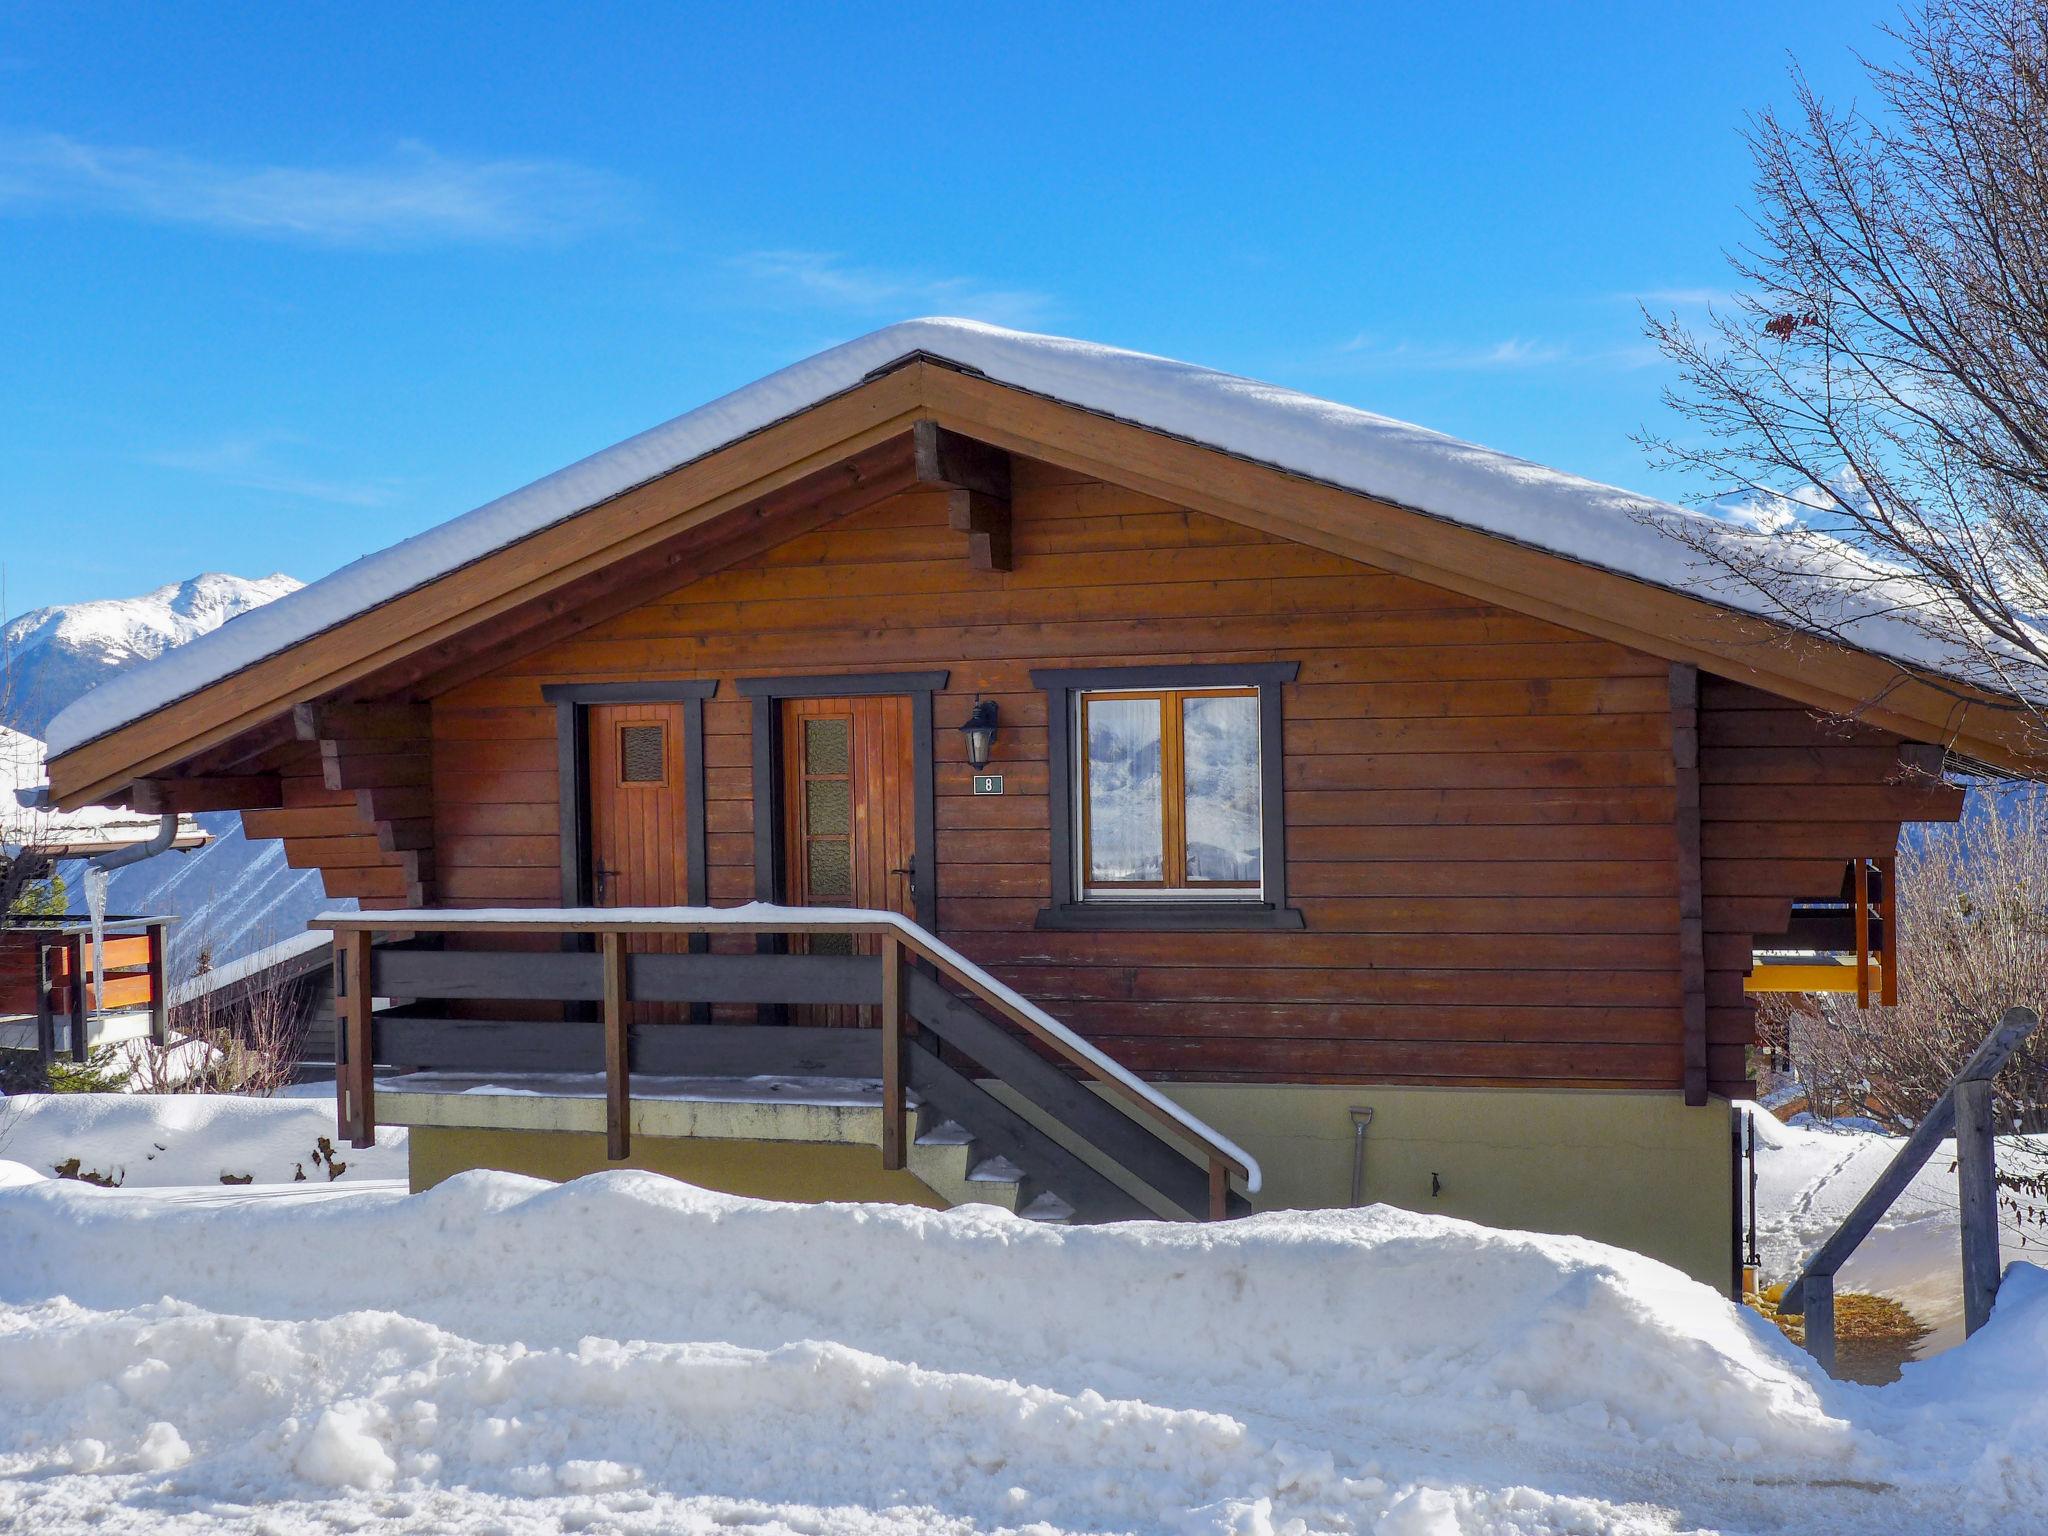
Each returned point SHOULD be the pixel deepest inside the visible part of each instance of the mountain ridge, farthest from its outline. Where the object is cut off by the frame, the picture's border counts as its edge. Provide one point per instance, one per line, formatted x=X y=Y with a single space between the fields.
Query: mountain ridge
x=51 y=656
x=230 y=897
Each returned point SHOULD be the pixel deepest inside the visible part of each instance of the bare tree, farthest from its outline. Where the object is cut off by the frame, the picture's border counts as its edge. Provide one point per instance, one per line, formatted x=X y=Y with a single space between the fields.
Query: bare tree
x=1878 y=394
x=1973 y=941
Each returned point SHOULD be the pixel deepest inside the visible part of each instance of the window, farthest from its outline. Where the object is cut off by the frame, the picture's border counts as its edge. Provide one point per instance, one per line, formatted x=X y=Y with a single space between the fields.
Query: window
x=643 y=754
x=1165 y=796
x=1170 y=801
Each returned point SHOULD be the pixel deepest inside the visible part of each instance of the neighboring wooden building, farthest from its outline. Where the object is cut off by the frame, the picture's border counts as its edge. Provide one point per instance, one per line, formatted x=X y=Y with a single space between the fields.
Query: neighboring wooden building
x=1335 y=766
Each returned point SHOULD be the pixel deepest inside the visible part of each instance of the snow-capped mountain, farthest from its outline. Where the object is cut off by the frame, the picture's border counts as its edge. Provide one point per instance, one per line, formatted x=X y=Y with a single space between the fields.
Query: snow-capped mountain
x=231 y=896
x=53 y=655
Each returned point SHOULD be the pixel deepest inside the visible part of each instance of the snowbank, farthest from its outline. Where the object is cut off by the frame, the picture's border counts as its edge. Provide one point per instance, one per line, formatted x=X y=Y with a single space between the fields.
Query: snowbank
x=632 y=1353
x=151 y=1140
x=1339 y=444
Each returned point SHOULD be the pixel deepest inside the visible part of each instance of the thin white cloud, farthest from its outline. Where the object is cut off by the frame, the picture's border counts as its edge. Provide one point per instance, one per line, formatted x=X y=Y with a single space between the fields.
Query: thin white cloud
x=825 y=280
x=1514 y=354
x=252 y=462
x=1683 y=298
x=413 y=196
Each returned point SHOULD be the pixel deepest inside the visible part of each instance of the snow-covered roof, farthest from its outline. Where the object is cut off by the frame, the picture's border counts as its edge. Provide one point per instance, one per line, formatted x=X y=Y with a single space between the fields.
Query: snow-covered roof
x=1341 y=445
x=253 y=964
x=89 y=830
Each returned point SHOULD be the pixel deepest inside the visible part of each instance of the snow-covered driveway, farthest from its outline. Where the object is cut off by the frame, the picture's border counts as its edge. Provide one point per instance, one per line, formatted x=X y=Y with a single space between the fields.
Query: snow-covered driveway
x=627 y=1353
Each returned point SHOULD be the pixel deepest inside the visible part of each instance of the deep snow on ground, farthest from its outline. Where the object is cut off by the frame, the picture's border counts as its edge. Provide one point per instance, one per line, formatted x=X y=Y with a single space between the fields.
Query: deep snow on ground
x=627 y=1353
x=155 y=1139
x=1810 y=1177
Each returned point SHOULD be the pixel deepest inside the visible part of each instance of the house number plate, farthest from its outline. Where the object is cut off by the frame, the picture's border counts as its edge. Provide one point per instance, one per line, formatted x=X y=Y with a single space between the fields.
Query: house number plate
x=988 y=783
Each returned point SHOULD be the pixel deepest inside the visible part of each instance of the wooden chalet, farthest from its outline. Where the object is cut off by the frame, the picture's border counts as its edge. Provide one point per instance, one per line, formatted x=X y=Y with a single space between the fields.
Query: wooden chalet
x=1164 y=794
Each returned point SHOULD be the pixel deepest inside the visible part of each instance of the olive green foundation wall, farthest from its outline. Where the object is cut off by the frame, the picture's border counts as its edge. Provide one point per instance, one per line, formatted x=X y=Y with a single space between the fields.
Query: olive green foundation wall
x=1639 y=1170
x=766 y=1170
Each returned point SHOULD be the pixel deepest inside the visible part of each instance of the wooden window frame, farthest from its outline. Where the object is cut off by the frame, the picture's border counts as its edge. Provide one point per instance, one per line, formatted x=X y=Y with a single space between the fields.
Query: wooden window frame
x=1205 y=907
x=1174 y=883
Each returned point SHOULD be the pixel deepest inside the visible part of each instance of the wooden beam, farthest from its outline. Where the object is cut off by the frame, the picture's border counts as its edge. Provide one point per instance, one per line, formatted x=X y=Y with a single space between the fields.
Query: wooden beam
x=986 y=522
x=964 y=463
x=1860 y=894
x=1888 y=917
x=1692 y=959
x=245 y=792
x=341 y=768
x=384 y=721
x=977 y=477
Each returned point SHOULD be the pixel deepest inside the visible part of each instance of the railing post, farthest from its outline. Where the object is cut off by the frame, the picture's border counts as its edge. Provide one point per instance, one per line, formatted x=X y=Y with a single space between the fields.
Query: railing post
x=618 y=1086
x=159 y=996
x=893 y=1107
x=343 y=1121
x=1977 y=1184
x=361 y=1085
x=1820 y=1320
x=46 y=1002
x=1219 y=1188
x=81 y=1000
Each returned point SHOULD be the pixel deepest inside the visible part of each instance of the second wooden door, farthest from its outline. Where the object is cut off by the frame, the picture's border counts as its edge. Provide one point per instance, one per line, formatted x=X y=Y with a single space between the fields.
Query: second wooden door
x=849 y=828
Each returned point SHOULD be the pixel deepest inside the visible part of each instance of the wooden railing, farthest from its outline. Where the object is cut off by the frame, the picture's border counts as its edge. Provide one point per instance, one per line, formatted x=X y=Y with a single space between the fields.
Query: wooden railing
x=937 y=1015
x=1965 y=1109
x=46 y=969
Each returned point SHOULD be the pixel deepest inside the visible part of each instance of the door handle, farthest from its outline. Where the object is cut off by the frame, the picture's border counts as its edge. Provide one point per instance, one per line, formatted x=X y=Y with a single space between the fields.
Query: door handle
x=910 y=870
x=603 y=877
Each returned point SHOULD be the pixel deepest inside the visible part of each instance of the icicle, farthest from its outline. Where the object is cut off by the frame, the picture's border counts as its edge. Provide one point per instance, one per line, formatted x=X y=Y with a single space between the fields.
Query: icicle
x=96 y=903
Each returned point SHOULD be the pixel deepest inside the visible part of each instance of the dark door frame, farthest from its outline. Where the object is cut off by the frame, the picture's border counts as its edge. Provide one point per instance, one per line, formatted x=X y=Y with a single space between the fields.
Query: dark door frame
x=767 y=694
x=572 y=760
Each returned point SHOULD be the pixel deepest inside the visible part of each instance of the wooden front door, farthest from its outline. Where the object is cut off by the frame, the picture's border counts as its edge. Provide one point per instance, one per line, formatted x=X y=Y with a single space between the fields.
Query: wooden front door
x=849 y=823
x=638 y=828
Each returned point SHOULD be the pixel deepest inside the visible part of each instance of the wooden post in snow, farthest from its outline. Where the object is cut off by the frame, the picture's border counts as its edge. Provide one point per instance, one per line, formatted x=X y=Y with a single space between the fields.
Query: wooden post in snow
x=1820 y=1320
x=1977 y=1183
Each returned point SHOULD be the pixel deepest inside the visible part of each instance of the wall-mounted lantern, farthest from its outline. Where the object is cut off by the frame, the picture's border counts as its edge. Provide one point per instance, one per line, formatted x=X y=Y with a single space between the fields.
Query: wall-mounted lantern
x=980 y=731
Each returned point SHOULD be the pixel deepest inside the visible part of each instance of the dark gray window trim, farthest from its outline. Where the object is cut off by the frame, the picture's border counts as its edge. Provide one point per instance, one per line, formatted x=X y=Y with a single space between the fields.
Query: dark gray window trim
x=767 y=693
x=1067 y=911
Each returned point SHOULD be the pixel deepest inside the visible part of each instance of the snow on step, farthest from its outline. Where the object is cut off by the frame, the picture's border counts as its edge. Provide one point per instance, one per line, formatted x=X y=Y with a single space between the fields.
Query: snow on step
x=995 y=1170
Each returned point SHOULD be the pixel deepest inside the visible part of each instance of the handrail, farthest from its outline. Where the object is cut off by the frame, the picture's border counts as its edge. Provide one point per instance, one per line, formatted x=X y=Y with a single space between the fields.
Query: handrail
x=899 y=934
x=1963 y=1107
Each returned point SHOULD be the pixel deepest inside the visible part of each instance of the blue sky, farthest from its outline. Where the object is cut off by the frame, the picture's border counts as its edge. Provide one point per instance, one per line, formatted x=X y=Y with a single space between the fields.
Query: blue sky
x=282 y=284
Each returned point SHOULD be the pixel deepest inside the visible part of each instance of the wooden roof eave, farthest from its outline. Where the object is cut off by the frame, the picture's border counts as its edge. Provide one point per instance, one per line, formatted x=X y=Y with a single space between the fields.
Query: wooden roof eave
x=1825 y=674
x=693 y=493
x=1813 y=670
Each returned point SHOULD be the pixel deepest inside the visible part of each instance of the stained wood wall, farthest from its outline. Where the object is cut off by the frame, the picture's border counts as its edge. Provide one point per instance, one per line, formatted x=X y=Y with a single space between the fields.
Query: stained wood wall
x=1480 y=805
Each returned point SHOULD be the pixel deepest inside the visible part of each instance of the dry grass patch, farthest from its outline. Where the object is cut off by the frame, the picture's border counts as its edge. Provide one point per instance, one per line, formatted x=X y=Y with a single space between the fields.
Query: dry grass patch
x=1874 y=1335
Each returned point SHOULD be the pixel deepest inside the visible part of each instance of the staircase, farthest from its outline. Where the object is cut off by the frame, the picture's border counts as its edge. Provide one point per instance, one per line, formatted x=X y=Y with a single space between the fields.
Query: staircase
x=961 y=1171
x=985 y=1097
